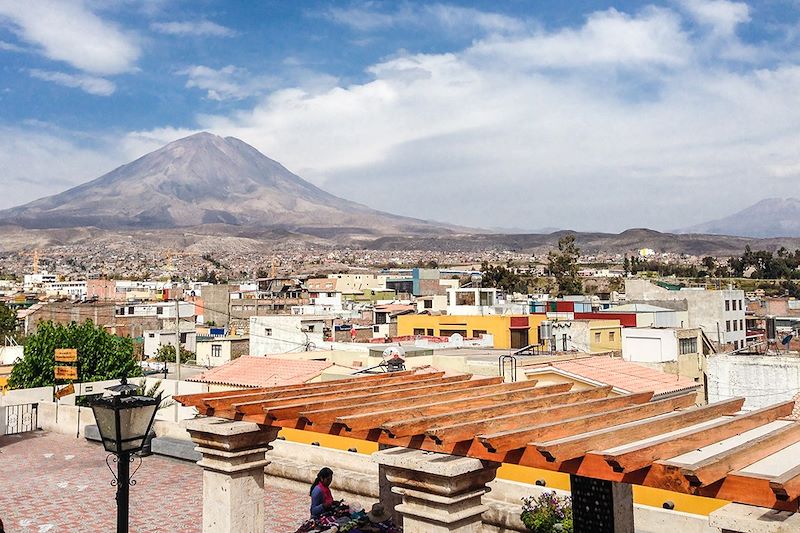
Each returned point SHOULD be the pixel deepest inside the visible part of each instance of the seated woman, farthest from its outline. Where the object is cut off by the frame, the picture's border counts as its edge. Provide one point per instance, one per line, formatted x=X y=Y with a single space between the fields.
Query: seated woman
x=321 y=497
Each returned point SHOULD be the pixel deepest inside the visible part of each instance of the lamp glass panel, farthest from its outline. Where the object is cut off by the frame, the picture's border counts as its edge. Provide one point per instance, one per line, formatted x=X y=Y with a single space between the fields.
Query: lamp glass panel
x=134 y=424
x=104 y=415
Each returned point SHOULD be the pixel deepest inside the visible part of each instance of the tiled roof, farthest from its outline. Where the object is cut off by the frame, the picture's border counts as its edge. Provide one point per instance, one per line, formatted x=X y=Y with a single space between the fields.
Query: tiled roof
x=625 y=375
x=249 y=371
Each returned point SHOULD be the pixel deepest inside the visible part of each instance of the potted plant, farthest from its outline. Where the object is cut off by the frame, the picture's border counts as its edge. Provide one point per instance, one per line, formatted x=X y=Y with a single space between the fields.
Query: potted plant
x=547 y=513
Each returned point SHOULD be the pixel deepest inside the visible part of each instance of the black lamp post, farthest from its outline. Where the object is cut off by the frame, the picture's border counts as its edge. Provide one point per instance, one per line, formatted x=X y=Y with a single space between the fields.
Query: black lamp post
x=124 y=420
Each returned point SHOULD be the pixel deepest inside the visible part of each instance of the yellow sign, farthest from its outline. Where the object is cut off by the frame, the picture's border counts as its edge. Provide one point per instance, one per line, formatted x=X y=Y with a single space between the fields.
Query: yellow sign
x=66 y=372
x=65 y=391
x=66 y=355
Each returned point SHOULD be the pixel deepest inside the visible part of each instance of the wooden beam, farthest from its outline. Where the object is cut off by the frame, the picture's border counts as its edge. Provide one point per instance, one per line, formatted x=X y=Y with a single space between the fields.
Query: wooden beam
x=643 y=455
x=569 y=447
x=787 y=486
x=319 y=391
x=418 y=424
x=197 y=399
x=260 y=405
x=520 y=437
x=468 y=430
x=373 y=417
x=330 y=409
x=717 y=466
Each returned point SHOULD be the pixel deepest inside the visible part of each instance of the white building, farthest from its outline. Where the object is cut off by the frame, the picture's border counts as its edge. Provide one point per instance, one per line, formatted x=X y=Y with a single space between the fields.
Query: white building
x=162 y=310
x=275 y=334
x=719 y=312
x=155 y=338
x=221 y=350
x=75 y=290
x=761 y=380
x=34 y=282
x=653 y=316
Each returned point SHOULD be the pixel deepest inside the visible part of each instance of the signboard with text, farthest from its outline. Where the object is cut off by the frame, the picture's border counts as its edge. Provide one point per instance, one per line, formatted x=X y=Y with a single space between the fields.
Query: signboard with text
x=66 y=355
x=65 y=391
x=66 y=372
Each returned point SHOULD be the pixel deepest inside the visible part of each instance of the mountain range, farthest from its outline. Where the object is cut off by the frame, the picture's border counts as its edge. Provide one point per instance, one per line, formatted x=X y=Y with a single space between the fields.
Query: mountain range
x=206 y=179
x=771 y=217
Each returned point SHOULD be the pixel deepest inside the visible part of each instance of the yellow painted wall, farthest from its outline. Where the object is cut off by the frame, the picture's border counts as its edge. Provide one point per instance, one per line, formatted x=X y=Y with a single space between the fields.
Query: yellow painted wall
x=496 y=325
x=524 y=474
x=610 y=336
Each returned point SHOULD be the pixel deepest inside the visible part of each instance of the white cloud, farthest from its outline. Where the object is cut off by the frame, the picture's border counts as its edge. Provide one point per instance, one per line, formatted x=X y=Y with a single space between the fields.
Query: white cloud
x=366 y=17
x=196 y=27
x=65 y=30
x=653 y=37
x=89 y=84
x=10 y=47
x=721 y=15
x=227 y=83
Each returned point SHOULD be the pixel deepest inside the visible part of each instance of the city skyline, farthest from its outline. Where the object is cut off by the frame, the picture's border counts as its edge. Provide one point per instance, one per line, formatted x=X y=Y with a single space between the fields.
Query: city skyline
x=594 y=115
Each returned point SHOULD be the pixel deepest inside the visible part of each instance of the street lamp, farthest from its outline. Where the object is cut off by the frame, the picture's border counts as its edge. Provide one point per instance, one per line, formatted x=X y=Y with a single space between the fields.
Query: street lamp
x=124 y=420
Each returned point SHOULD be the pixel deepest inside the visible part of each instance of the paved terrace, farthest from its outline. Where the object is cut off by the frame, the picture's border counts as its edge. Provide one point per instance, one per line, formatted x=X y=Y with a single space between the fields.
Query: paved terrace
x=51 y=482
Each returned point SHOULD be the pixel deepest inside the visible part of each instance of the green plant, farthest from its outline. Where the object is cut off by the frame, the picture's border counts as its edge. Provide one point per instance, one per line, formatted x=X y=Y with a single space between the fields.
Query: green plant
x=166 y=352
x=101 y=356
x=154 y=391
x=547 y=513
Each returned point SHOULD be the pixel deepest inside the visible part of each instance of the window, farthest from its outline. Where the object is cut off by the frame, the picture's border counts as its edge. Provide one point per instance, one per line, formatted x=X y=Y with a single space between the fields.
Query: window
x=687 y=345
x=741 y=324
x=130 y=310
x=740 y=304
x=183 y=337
x=430 y=332
x=597 y=337
x=159 y=310
x=268 y=332
x=727 y=325
x=465 y=298
x=611 y=335
x=727 y=305
x=380 y=318
x=735 y=325
x=476 y=333
x=376 y=329
x=151 y=335
x=216 y=350
x=417 y=331
x=428 y=304
x=310 y=328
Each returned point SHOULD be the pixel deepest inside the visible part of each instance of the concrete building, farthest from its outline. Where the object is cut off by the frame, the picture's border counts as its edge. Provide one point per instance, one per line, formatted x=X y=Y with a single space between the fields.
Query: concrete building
x=679 y=351
x=653 y=316
x=508 y=331
x=275 y=334
x=587 y=336
x=221 y=350
x=760 y=379
x=75 y=290
x=720 y=313
x=102 y=314
x=153 y=339
x=101 y=289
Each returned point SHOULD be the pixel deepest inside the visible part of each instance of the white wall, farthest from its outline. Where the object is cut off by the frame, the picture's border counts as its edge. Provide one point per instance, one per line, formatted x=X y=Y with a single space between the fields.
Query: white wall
x=761 y=379
x=281 y=334
x=649 y=345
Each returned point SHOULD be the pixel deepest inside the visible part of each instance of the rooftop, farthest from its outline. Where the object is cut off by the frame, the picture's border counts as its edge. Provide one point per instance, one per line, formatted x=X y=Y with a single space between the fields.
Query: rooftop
x=620 y=374
x=250 y=371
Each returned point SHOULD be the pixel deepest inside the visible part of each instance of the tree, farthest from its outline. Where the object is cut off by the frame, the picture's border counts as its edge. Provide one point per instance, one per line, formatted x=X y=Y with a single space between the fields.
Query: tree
x=8 y=322
x=101 y=355
x=563 y=266
x=166 y=352
x=502 y=278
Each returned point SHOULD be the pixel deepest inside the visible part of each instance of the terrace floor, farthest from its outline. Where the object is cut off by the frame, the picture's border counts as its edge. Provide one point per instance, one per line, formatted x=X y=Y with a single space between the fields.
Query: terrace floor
x=51 y=482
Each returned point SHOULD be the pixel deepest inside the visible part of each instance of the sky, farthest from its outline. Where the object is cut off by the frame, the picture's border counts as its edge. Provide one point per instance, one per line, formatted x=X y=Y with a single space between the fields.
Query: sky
x=583 y=115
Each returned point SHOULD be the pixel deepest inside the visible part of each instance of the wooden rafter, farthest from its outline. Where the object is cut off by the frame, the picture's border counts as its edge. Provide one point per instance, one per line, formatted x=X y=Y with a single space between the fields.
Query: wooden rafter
x=717 y=466
x=642 y=455
x=419 y=424
x=468 y=430
x=520 y=437
x=565 y=448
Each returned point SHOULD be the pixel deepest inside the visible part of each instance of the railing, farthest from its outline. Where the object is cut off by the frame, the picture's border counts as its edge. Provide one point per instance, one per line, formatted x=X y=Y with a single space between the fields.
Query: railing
x=21 y=418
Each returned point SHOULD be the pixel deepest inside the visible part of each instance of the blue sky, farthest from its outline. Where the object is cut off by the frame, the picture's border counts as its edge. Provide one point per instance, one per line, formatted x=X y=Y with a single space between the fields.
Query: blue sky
x=583 y=115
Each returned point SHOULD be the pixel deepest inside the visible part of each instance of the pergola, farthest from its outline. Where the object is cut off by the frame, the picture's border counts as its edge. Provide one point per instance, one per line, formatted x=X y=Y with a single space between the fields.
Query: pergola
x=713 y=450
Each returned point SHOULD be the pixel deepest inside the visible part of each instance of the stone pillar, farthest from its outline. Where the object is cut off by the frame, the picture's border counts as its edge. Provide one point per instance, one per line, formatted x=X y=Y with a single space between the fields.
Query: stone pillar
x=601 y=506
x=233 y=473
x=740 y=518
x=441 y=493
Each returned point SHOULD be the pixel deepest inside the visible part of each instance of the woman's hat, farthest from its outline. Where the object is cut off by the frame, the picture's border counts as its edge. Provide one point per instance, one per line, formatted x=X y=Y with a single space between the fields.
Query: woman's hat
x=378 y=514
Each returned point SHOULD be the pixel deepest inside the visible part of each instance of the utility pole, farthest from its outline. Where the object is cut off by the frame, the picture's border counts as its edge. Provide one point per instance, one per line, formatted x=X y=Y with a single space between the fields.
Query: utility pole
x=178 y=339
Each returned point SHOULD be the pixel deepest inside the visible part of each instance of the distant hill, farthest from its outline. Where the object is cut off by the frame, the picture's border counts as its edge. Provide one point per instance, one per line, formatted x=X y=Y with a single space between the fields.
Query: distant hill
x=204 y=179
x=772 y=217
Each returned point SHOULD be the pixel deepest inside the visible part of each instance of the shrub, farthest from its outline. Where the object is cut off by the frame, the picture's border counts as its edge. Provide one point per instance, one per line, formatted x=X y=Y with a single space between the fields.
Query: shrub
x=547 y=513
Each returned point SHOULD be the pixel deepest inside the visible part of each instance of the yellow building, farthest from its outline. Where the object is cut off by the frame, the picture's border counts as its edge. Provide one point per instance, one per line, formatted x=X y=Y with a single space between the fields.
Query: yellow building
x=588 y=336
x=508 y=331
